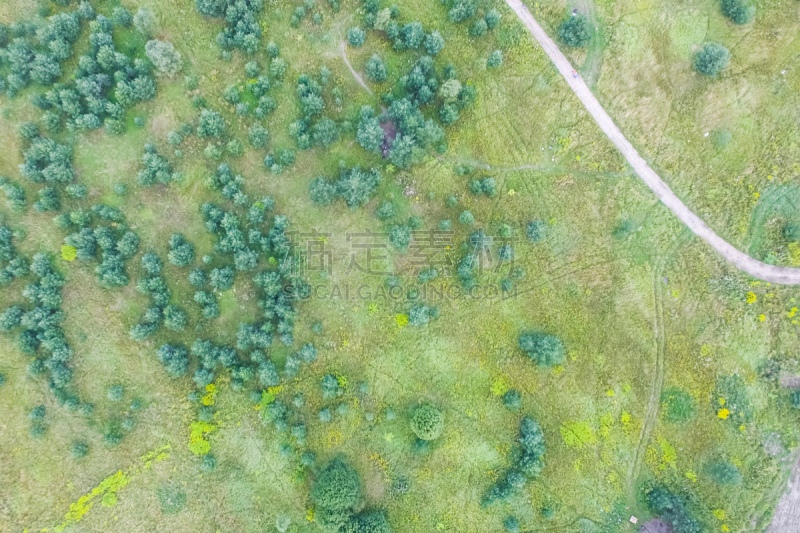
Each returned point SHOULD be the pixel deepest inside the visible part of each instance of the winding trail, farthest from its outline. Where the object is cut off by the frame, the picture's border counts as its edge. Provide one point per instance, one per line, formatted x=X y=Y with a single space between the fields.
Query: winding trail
x=356 y=75
x=742 y=261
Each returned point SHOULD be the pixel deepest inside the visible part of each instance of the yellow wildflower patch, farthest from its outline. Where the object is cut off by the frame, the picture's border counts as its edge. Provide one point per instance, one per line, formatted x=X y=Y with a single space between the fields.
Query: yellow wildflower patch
x=751 y=297
x=68 y=253
x=723 y=414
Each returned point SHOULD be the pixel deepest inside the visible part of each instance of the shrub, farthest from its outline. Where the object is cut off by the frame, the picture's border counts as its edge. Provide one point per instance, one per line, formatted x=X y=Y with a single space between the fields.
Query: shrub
x=513 y=400
x=544 y=350
x=495 y=59
x=492 y=18
x=222 y=278
x=330 y=387
x=78 y=450
x=462 y=10
x=712 y=59
x=576 y=31
x=479 y=28
x=174 y=318
x=794 y=398
x=145 y=22
x=427 y=422
x=337 y=487
x=356 y=37
x=116 y=393
x=672 y=509
x=466 y=218
x=37 y=413
x=511 y=524
x=738 y=11
x=535 y=231
x=676 y=405
x=273 y=50
x=163 y=55
x=724 y=473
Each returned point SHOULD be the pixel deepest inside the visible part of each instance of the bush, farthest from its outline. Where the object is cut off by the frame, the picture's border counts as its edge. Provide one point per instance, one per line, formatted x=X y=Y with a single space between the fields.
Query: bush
x=79 y=450
x=794 y=398
x=273 y=50
x=576 y=31
x=676 y=405
x=466 y=218
x=116 y=393
x=513 y=400
x=511 y=524
x=495 y=59
x=724 y=473
x=672 y=510
x=330 y=387
x=738 y=11
x=258 y=136
x=222 y=278
x=462 y=10
x=163 y=55
x=535 y=231
x=492 y=18
x=427 y=422
x=712 y=59
x=145 y=22
x=356 y=37
x=337 y=487
x=479 y=28
x=175 y=359
x=544 y=350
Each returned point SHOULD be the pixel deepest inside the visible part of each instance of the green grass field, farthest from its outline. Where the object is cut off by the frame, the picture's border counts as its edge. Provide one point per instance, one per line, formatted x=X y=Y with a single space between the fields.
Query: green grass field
x=641 y=312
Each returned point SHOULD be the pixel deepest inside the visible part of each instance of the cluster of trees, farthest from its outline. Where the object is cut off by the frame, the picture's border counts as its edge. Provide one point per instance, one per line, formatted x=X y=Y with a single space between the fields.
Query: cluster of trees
x=156 y=169
x=117 y=243
x=336 y=493
x=279 y=289
x=419 y=87
x=14 y=264
x=544 y=350
x=673 y=510
x=528 y=465
x=486 y=186
x=104 y=71
x=243 y=30
x=41 y=329
x=409 y=36
x=40 y=61
x=313 y=129
x=15 y=195
x=46 y=161
x=355 y=186
x=155 y=285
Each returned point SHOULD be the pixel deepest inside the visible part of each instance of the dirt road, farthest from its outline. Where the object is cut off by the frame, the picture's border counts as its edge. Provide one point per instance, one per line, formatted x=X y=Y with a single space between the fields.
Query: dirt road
x=757 y=269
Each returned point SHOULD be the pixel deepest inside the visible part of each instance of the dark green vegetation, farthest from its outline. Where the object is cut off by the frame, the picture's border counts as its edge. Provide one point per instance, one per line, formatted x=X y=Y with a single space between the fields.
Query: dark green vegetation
x=175 y=340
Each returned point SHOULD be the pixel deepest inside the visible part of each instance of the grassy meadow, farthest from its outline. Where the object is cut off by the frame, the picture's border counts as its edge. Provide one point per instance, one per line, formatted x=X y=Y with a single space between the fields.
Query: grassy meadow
x=642 y=306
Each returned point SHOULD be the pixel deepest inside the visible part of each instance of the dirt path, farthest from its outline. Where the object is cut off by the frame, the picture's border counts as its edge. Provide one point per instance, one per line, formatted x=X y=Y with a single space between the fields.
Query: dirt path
x=757 y=269
x=787 y=512
x=356 y=75
x=651 y=415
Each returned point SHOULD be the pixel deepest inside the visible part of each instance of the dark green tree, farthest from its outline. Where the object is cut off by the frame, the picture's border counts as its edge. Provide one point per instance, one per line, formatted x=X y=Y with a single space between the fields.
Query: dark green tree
x=576 y=31
x=712 y=59
x=427 y=422
x=543 y=349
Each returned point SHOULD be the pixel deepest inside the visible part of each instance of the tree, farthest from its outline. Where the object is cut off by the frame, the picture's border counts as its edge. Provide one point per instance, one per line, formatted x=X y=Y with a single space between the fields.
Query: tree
x=211 y=124
x=672 y=509
x=434 y=42
x=544 y=350
x=370 y=135
x=175 y=359
x=273 y=50
x=479 y=28
x=576 y=31
x=145 y=22
x=466 y=218
x=738 y=11
x=325 y=132
x=427 y=422
x=535 y=230
x=495 y=59
x=116 y=393
x=462 y=10
x=163 y=55
x=322 y=191
x=376 y=69
x=513 y=400
x=794 y=398
x=268 y=374
x=48 y=200
x=175 y=318
x=356 y=37
x=258 y=136
x=492 y=18
x=712 y=59
x=222 y=278
x=337 y=487
x=121 y=17
x=152 y=264
x=181 y=251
